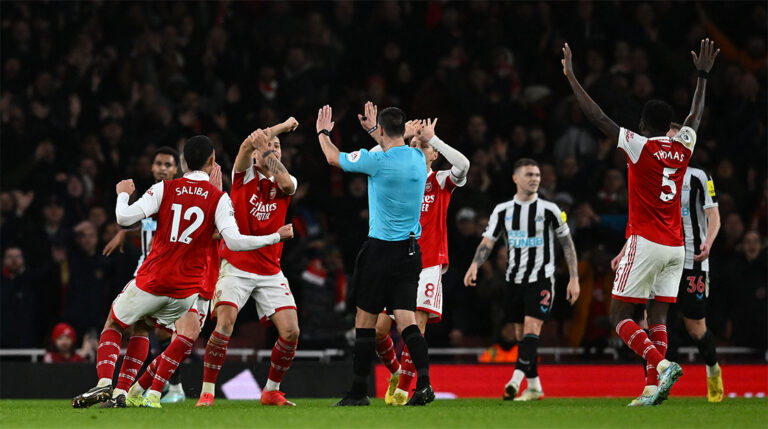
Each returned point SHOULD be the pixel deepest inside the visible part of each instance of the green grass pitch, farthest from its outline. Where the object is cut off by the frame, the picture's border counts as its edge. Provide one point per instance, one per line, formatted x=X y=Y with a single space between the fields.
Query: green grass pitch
x=461 y=413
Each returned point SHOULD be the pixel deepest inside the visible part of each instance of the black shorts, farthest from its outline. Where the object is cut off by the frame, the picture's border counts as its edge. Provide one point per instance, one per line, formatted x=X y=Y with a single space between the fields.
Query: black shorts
x=532 y=299
x=693 y=293
x=386 y=276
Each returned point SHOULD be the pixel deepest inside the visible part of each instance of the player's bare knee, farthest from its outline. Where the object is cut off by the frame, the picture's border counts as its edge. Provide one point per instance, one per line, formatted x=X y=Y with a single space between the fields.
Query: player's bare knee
x=696 y=328
x=290 y=333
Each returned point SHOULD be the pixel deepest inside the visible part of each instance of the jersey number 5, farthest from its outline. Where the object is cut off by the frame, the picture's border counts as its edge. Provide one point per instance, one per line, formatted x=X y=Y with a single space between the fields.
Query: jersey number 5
x=195 y=211
x=666 y=181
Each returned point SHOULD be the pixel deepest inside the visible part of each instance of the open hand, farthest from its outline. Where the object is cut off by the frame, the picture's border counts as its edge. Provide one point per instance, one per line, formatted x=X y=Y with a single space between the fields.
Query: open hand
x=707 y=54
x=411 y=128
x=325 y=118
x=428 y=130
x=369 y=117
x=567 y=61
x=215 y=177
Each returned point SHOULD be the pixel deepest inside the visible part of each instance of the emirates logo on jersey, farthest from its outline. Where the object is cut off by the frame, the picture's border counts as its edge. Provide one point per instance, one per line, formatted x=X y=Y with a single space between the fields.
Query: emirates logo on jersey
x=428 y=200
x=428 y=187
x=260 y=210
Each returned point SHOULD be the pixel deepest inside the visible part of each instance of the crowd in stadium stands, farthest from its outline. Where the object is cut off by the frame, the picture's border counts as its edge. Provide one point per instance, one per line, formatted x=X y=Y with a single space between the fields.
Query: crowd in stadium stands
x=90 y=89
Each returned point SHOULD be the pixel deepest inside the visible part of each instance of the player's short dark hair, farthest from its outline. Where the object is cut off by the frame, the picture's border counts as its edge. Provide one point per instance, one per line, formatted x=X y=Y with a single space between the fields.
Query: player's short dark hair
x=167 y=150
x=675 y=125
x=392 y=120
x=524 y=162
x=657 y=115
x=197 y=150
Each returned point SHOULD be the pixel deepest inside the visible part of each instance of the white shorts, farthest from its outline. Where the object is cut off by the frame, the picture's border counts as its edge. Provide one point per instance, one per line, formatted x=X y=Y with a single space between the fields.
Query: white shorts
x=648 y=270
x=271 y=293
x=429 y=297
x=133 y=304
x=199 y=308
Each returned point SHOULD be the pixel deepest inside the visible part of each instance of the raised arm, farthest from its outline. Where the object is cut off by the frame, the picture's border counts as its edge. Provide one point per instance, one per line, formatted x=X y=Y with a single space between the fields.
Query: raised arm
x=591 y=110
x=324 y=126
x=368 y=120
x=703 y=63
x=289 y=124
x=459 y=162
x=282 y=177
x=244 y=159
x=146 y=206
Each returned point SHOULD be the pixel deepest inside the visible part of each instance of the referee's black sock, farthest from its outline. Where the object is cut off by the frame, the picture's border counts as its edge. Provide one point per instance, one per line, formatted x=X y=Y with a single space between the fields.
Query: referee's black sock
x=365 y=349
x=706 y=345
x=417 y=347
x=528 y=355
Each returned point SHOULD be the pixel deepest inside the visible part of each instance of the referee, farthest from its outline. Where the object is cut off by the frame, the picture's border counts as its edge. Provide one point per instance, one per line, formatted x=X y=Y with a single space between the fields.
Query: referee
x=389 y=263
x=527 y=225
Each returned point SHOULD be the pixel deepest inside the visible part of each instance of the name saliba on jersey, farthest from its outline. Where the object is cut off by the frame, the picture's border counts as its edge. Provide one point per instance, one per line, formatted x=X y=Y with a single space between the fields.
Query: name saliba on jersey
x=192 y=190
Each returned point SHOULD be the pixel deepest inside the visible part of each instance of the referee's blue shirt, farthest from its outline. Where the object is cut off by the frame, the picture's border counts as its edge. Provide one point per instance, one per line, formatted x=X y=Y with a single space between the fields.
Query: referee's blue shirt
x=396 y=180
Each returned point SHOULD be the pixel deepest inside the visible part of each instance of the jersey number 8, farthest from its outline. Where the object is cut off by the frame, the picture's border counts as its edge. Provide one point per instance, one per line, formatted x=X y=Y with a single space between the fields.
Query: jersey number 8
x=195 y=211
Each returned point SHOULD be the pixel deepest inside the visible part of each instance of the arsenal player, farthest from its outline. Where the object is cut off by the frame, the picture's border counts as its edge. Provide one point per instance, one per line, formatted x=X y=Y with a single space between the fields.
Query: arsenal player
x=433 y=243
x=167 y=284
x=261 y=193
x=653 y=257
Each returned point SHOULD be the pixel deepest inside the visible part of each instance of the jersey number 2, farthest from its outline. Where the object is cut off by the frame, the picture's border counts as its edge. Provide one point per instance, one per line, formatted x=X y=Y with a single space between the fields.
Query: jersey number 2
x=195 y=211
x=666 y=181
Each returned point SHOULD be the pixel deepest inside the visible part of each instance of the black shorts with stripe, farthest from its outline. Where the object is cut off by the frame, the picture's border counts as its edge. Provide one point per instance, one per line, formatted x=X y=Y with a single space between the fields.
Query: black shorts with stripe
x=693 y=293
x=533 y=299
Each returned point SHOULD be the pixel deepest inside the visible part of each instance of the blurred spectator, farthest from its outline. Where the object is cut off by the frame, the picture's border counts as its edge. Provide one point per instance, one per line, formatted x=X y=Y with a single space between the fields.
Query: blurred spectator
x=62 y=349
x=747 y=295
x=18 y=302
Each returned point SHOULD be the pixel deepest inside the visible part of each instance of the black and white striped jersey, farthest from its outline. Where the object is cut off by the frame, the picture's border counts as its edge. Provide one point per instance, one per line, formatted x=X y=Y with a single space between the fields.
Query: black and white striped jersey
x=528 y=229
x=148 y=228
x=697 y=195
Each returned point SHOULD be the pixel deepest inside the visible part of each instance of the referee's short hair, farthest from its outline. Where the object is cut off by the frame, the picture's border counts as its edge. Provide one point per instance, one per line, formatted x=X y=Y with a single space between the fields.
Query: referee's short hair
x=524 y=162
x=392 y=120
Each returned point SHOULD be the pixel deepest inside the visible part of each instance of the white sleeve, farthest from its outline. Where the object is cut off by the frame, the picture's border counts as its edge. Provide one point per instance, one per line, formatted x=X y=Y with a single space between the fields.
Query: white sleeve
x=295 y=184
x=459 y=162
x=708 y=186
x=146 y=206
x=561 y=229
x=495 y=224
x=632 y=143
x=227 y=226
x=687 y=137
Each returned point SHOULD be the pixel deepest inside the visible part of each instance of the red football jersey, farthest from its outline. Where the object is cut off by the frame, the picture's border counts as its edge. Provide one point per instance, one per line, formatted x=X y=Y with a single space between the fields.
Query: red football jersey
x=434 y=209
x=186 y=219
x=212 y=271
x=656 y=171
x=260 y=209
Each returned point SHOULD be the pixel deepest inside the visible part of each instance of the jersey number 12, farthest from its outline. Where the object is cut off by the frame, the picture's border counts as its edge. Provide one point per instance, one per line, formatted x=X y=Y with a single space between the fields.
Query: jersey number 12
x=195 y=211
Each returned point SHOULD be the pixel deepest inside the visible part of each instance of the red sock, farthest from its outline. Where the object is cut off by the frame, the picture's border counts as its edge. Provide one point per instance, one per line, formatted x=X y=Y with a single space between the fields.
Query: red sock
x=215 y=352
x=658 y=337
x=282 y=357
x=145 y=381
x=107 y=353
x=138 y=347
x=634 y=336
x=407 y=371
x=170 y=360
x=385 y=349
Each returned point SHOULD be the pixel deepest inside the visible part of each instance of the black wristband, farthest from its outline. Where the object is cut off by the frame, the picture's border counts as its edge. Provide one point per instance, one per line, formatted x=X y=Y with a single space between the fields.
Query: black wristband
x=703 y=74
x=267 y=153
x=375 y=127
x=326 y=132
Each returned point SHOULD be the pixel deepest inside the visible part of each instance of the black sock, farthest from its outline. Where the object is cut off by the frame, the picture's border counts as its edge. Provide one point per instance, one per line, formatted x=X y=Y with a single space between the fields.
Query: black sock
x=706 y=345
x=365 y=349
x=417 y=347
x=528 y=355
x=175 y=378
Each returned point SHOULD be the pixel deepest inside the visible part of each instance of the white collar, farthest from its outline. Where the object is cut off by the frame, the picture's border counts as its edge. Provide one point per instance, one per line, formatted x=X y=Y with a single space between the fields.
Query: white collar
x=525 y=203
x=197 y=175
x=262 y=177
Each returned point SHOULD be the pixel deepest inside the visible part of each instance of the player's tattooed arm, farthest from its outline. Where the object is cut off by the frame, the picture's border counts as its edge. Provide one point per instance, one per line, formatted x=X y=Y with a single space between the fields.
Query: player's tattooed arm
x=481 y=255
x=278 y=170
x=569 y=250
x=244 y=159
x=591 y=110
x=703 y=63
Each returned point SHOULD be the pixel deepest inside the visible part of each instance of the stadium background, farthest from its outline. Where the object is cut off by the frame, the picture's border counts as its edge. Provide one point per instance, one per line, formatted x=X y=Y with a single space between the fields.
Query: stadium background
x=89 y=90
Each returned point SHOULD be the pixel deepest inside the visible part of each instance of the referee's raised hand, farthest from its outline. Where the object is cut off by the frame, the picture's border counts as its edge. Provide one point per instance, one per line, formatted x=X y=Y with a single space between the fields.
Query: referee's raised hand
x=325 y=119
x=368 y=118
